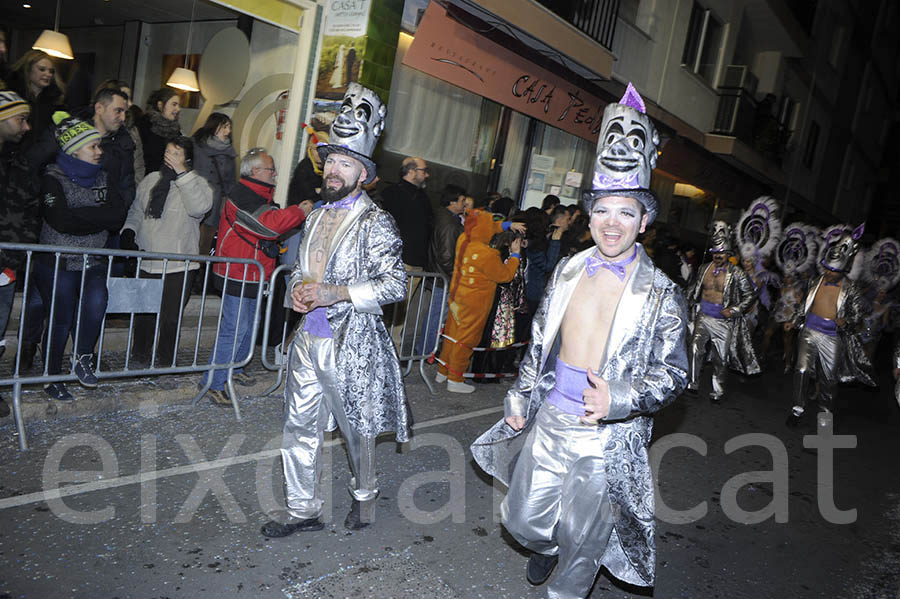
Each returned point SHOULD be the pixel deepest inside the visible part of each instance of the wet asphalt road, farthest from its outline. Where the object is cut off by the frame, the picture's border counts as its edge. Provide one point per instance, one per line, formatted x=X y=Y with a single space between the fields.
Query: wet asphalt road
x=168 y=501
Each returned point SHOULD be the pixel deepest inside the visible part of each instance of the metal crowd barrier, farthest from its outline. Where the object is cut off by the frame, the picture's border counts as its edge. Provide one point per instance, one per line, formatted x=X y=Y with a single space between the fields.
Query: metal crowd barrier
x=132 y=295
x=414 y=324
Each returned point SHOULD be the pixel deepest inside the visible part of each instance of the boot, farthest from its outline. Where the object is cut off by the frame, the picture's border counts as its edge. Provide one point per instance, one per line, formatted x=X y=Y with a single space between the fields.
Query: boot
x=539 y=567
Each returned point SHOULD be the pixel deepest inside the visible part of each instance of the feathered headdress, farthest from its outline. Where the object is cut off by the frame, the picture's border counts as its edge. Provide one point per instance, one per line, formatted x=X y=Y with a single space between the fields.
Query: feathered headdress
x=758 y=231
x=882 y=264
x=798 y=249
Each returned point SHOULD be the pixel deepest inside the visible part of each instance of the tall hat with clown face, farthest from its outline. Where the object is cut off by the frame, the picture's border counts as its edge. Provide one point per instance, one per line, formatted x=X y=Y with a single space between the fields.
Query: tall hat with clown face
x=758 y=230
x=355 y=130
x=626 y=154
x=839 y=247
x=720 y=238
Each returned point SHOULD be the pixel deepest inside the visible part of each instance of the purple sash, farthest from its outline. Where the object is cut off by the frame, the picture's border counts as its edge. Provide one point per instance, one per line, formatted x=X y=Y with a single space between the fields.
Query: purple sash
x=317 y=324
x=711 y=309
x=822 y=325
x=567 y=394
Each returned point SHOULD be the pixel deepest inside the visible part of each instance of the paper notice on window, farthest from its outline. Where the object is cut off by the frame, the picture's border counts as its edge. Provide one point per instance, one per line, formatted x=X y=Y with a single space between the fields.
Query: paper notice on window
x=573 y=179
x=554 y=189
x=539 y=162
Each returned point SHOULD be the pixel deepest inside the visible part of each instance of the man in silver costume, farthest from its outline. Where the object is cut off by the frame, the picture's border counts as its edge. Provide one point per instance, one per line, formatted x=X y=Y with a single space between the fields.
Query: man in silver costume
x=342 y=368
x=720 y=298
x=829 y=348
x=607 y=350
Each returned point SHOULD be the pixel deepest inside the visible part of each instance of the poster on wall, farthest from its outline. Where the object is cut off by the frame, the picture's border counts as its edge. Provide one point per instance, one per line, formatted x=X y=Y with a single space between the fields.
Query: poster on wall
x=343 y=44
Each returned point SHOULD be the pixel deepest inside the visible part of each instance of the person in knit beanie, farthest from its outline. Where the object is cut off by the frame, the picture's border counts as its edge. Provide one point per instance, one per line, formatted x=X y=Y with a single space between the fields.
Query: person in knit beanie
x=79 y=209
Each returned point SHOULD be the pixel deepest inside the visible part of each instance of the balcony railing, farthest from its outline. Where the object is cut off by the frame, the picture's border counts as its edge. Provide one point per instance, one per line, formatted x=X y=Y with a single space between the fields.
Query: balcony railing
x=596 y=18
x=740 y=116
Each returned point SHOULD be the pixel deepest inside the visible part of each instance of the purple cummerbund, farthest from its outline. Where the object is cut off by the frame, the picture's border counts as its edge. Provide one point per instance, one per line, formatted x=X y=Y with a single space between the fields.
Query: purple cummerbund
x=711 y=309
x=568 y=393
x=317 y=324
x=822 y=325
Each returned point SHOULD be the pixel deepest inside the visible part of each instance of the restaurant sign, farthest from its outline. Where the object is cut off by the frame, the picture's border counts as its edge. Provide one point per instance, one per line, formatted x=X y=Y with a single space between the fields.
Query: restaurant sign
x=450 y=51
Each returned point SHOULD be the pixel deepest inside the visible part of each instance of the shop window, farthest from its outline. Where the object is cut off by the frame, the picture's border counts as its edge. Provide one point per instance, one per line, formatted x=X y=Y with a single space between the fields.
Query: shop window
x=812 y=139
x=560 y=164
x=703 y=43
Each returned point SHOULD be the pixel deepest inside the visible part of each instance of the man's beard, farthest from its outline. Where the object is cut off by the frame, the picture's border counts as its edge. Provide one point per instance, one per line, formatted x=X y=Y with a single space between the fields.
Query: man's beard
x=333 y=195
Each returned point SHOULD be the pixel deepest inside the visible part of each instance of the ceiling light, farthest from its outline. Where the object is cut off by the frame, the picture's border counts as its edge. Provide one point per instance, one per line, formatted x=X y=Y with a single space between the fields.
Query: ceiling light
x=26 y=6
x=54 y=43
x=183 y=78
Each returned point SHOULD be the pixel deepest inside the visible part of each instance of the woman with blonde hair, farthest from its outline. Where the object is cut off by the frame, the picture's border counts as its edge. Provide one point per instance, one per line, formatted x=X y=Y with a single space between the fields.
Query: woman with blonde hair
x=34 y=77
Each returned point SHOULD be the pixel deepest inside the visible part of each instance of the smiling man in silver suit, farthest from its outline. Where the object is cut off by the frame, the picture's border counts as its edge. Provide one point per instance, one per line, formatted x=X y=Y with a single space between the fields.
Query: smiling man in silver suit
x=607 y=350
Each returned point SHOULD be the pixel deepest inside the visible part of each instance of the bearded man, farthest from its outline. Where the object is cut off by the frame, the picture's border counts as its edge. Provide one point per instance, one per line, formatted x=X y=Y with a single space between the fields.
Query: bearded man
x=343 y=369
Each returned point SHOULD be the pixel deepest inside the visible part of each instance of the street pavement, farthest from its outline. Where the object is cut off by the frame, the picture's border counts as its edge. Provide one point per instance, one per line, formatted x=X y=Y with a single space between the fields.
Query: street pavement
x=160 y=499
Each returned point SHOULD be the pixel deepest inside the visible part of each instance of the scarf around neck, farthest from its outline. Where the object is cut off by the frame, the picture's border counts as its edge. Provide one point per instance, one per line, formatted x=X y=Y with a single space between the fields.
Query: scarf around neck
x=218 y=145
x=266 y=190
x=81 y=172
x=160 y=192
x=162 y=126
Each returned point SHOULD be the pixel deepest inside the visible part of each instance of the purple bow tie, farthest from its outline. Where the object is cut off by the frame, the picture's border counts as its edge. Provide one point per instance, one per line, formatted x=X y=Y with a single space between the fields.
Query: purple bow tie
x=345 y=204
x=594 y=263
x=720 y=270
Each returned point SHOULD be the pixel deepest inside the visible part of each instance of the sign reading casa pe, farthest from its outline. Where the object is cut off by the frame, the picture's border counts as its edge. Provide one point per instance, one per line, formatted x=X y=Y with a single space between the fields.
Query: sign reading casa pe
x=347 y=17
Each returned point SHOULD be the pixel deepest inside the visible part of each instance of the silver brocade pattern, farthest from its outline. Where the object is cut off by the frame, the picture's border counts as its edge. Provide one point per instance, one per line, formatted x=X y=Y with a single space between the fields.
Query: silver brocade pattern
x=646 y=369
x=852 y=363
x=738 y=294
x=365 y=256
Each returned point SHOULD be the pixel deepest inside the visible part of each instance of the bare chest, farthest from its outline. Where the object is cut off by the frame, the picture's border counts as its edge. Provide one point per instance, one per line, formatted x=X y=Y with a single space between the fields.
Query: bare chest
x=588 y=320
x=825 y=302
x=321 y=238
x=714 y=282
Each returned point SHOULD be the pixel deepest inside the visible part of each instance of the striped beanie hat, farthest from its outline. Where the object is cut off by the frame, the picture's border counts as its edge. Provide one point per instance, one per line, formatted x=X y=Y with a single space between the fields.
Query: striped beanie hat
x=73 y=133
x=12 y=104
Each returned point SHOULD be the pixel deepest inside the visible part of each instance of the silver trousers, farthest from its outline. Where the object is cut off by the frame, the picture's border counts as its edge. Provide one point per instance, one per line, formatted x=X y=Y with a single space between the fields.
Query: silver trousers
x=817 y=356
x=311 y=396
x=558 y=500
x=715 y=332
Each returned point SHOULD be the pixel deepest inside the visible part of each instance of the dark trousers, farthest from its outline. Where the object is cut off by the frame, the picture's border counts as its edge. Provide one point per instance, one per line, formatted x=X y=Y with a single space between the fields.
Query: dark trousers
x=66 y=294
x=169 y=309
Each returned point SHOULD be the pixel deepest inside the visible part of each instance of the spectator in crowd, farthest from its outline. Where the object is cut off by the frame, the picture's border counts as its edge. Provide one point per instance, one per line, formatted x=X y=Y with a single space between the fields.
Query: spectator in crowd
x=408 y=203
x=249 y=228
x=214 y=161
x=478 y=269
x=131 y=117
x=441 y=257
x=79 y=209
x=550 y=203
x=503 y=206
x=34 y=77
x=667 y=258
x=165 y=218
x=159 y=125
x=542 y=252
x=108 y=115
x=307 y=178
x=19 y=208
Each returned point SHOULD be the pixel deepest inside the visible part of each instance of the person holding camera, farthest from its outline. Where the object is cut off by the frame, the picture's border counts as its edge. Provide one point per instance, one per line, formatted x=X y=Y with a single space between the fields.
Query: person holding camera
x=249 y=228
x=165 y=217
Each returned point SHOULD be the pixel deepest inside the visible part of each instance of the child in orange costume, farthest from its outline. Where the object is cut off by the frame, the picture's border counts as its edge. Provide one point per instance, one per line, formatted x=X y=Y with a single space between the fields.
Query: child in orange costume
x=478 y=269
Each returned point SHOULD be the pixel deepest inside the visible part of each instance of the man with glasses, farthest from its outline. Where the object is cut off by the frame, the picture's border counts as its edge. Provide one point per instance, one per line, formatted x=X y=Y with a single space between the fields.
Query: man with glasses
x=250 y=227
x=411 y=208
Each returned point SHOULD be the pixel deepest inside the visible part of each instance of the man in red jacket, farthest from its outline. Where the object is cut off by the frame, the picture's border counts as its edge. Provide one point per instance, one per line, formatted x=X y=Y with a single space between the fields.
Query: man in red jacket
x=250 y=227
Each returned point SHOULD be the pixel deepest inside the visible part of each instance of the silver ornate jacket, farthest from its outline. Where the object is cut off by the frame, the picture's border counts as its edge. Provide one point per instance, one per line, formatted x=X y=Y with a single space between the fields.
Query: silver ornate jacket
x=738 y=294
x=646 y=368
x=852 y=361
x=365 y=256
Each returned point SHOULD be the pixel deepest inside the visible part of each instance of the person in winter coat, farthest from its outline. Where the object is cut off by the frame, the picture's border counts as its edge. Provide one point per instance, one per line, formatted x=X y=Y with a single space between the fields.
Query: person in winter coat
x=250 y=227
x=165 y=218
x=214 y=161
x=159 y=125
x=34 y=77
x=79 y=209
